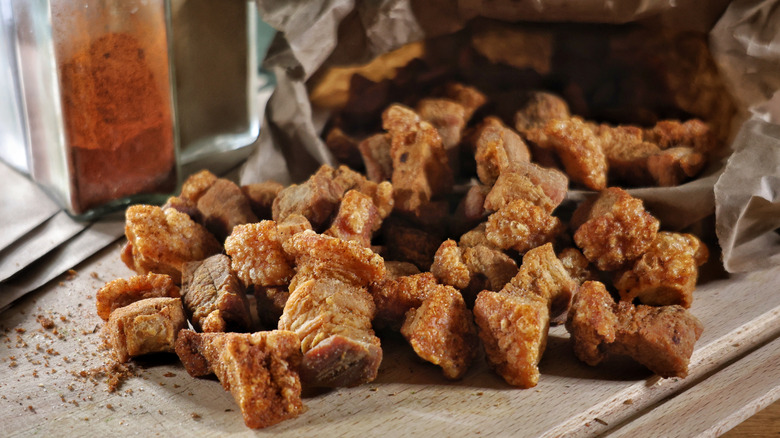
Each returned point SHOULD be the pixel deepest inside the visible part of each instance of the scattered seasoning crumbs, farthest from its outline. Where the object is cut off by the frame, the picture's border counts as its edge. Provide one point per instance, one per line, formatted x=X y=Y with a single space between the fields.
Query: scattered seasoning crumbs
x=600 y=421
x=628 y=402
x=195 y=416
x=110 y=407
x=45 y=322
x=169 y=374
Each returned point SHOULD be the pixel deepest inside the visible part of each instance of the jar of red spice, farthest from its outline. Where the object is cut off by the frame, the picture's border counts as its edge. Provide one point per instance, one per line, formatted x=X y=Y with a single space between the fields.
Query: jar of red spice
x=96 y=85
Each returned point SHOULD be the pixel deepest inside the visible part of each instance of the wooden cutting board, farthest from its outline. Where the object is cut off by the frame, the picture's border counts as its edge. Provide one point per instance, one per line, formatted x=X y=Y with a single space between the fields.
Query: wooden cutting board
x=48 y=386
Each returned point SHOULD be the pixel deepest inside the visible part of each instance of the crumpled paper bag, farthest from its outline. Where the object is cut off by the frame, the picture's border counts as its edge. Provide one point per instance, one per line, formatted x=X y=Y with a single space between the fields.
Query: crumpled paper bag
x=342 y=32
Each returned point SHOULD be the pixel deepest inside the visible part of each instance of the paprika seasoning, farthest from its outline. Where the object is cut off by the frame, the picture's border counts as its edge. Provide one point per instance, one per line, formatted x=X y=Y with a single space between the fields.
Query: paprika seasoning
x=118 y=122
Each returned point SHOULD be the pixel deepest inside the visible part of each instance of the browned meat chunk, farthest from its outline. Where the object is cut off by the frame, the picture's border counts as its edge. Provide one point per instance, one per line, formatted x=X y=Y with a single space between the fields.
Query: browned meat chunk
x=196 y=185
x=441 y=330
x=666 y=273
x=475 y=237
x=470 y=210
x=543 y=274
x=261 y=197
x=120 y=292
x=675 y=165
x=578 y=267
x=420 y=166
x=471 y=98
x=660 y=338
x=448 y=266
x=497 y=149
x=270 y=302
x=213 y=297
x=540 y=108
x=408 y=244
x=357 y=219
x=259 y=369
x=184 y=206
x=521 y=226
x=580 y=151
x=449 y=119
x=692 y=133
x=627 y=153
x=513 y=328
x=323 y=257
x=224 y=206
x=394 y=296
x=162 y=241
x=554 y=182
x=257 y=255
x=615 y=229
x=375 y=151
x=292 y=225
x=343 y=147
x=511 y=186
x=489 y=268
x=318 y=197
x=333 y=321
x=146 y=326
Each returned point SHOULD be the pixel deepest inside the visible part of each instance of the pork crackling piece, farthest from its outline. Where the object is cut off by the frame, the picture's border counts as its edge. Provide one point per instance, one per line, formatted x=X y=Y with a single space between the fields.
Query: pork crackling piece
x=540 y=108
x=270 y=301
x=421 y=170
x=261 y=197
x=497 y=149
x=162 y=241
x=394 y=296
x=146 y=326
x=213 y=296
x=221 y=204
x=471 y=98
x=660 y=338
x=511 y=186
x=513 y=326
x=521 y=226
x=441 y=331
x=331 y=310
x=613 y=229
x=692 y=133
x=357 y=219
x=543 y=274
x=579 y=149
x=343 y=146
x=449 y=119
x=121 y=292
x=375 y=151
x=578 y=267
x=257 y=256
x=673 y=166
x=666 y=273
x=259 y=369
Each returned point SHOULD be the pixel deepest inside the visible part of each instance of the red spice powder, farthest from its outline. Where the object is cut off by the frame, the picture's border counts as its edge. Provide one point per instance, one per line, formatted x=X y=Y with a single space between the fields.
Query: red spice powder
x=118 y=122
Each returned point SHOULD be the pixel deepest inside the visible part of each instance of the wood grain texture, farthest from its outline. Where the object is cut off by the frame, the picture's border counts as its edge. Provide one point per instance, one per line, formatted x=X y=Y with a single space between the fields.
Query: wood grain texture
x=765 y=424
x=43 y=393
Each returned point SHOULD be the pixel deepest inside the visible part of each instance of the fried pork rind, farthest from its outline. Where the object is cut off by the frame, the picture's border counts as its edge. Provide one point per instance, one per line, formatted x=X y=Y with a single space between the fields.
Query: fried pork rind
x=475 y=237
x=318 y=197
x=270 y=301
x=615 y=229
x=375 y=151
x=162 y=241
x=660 y=338
x=331 y=310
x=579 y=149
x=675 y=165
x=357 y=219
x=511 y=186
x=409 y=244
x=213 y=296
x=497 y=149
x=521 y=226
x=513 y=328
x=332 y=318
x=196 y=185
x=578 y=267
x=471 y=98
x=146 y=326
x=257 y=256
x=259 y=369
x=540 y=108
x=421 y=170
x=449 y=119
x=121 y=292
x=666 y=273
x=554 y=182
x=543 y=274
x=224 y=206
x=470 y=210
x=692 y=133
x=441 y=330
x=261 y=197
x=184 y=206
x=448 y=266
x=323 y=257
x=394 y=296
x=343 y=147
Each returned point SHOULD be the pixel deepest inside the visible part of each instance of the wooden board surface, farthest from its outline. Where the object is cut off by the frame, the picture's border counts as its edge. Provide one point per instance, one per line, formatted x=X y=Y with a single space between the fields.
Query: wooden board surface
x=44 y=392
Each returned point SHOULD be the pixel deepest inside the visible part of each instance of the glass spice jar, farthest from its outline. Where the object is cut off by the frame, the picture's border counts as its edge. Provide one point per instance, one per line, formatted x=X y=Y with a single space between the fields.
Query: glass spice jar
x=94 y=97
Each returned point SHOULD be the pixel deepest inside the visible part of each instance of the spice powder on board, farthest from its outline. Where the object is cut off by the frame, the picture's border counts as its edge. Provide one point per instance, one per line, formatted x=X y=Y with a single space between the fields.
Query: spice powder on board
x=118 y=123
